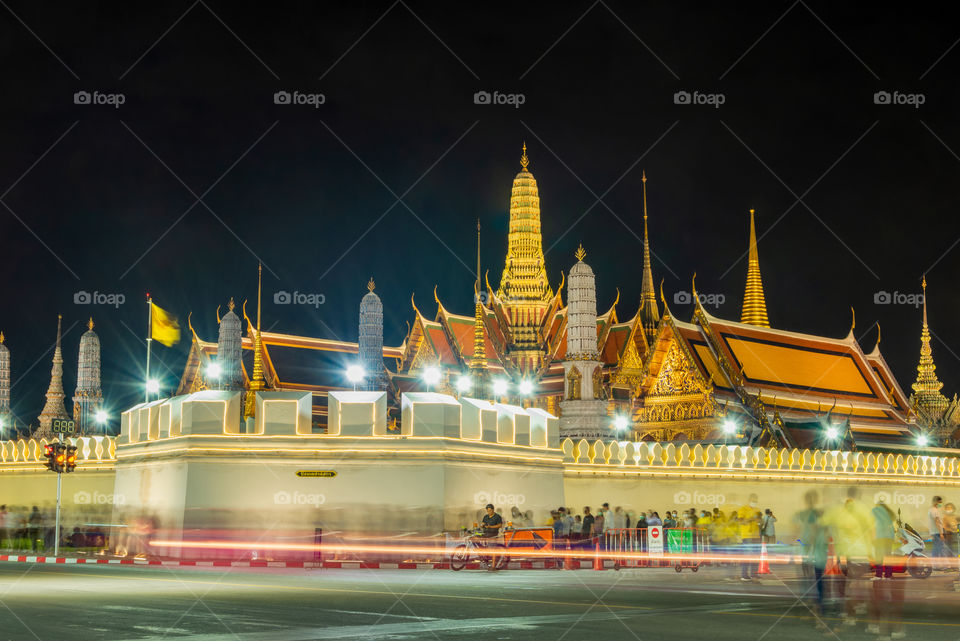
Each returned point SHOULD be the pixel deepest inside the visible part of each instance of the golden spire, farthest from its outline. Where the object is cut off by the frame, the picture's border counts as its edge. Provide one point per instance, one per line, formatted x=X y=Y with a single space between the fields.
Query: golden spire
x=524 y=290
x=927 y=387
x=581 y=253
x=649 y=314
x=371 y=285
x=524 y=161
x=479 y=361
x=90 y=324
x=2 y=339
x=231 y=304
x=257 y=382
x=754 y=306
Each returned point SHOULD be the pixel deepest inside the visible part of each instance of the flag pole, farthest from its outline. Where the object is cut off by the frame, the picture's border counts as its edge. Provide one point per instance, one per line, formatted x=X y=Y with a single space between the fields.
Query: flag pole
x=146 y=382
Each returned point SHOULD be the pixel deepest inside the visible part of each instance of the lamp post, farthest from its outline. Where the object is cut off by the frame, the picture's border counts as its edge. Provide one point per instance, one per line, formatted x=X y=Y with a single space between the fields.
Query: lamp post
x=729 y=429
x=355 y=375
x=100 y=418
x=153 y=387
x=464 y=384
x=620 y=424
x=432 y=376
x=499 y=388
x=214 y=371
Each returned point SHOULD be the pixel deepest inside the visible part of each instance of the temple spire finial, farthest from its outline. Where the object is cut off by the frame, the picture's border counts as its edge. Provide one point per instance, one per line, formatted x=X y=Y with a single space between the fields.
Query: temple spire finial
x=926 y=390
x=90 y=323
x=754 y=305
x=580 y=253
x=257 y=381
x=524 y=161
x=231 y=304
x=371 y=285
x=649 y=313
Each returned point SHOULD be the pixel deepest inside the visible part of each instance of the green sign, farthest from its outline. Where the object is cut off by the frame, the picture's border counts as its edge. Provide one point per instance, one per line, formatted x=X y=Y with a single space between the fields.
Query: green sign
x=63 y=426
x=679 y=541
x=317 y=474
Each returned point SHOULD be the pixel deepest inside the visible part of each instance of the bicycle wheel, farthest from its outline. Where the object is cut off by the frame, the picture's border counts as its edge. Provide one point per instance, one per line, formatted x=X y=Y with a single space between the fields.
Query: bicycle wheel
x=501 y=551
x=459 y=558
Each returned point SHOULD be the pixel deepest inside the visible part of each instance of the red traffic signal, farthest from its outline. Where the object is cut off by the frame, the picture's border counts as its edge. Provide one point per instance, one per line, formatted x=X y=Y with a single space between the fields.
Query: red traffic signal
x=50 y=453
x=71 y=459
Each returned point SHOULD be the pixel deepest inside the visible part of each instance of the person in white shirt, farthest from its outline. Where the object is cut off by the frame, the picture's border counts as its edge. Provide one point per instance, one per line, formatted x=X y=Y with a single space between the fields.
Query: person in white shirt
x=935 y=523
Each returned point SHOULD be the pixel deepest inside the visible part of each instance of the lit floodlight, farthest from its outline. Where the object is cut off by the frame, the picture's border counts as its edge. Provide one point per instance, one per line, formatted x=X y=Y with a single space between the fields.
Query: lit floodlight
x=923 y=440
x=729 y=427
x=621 y=423
x=526 y=387
x=153 y=386
x=214 y=370
x=100 y=417
x=500 y=387
x=832 y=433
x=431 y=376
x=464 y=384
x=355 y=374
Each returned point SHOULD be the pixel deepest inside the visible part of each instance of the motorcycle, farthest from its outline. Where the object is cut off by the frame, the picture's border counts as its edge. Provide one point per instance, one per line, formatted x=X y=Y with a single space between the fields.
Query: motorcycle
x=912 y=558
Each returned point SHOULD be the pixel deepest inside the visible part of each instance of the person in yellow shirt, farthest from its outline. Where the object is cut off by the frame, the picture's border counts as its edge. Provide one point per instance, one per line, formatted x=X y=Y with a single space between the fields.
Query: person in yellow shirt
x=749 y=534
x=851 y=526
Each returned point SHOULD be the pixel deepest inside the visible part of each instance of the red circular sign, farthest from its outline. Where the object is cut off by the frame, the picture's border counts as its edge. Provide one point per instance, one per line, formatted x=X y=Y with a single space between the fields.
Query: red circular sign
x=655 y=532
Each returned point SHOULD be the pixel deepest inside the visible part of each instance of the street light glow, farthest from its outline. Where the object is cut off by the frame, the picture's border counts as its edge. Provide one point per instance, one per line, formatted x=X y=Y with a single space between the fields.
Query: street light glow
x=100 y=417
x=832 y=433
x=464 y=384
x=923 y=440
x=526 y=387
x=499 y=387
x=355 y=374
x=729 y=427
x=153 y=386
x=214 y=370
x=431 y=376
x=621 y=423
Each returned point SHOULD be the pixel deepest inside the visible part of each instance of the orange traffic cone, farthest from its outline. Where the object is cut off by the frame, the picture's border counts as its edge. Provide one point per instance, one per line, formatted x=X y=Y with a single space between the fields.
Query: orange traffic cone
x=833 y=568
x=764 y=567
x=597 y=561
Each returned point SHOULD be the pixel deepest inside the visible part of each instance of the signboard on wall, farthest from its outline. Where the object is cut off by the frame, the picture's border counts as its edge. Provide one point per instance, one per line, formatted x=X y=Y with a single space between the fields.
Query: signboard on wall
x=316 y=474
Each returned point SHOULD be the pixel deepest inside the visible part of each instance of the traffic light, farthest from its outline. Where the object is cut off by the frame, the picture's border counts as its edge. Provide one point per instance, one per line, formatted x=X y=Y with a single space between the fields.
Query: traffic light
x=50 y=453
x=61 y=457
x=71 y=460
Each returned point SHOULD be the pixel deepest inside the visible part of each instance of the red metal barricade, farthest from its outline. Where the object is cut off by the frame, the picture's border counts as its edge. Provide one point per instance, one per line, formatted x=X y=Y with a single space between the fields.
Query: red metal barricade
x=639 y=547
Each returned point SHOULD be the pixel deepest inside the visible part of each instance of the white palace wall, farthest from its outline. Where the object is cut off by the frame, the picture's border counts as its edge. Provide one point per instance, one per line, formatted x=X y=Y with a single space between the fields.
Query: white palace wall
x=197 y=471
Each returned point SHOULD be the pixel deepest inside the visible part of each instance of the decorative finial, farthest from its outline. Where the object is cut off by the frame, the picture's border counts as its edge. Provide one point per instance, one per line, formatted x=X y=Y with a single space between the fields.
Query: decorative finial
x=371 y=285
x=2 y=339
x=231 y=304
x=878 y=333
x=693 y=286
x=853 y=319
x=581 y=254
x=90 y=323
x=524 y=161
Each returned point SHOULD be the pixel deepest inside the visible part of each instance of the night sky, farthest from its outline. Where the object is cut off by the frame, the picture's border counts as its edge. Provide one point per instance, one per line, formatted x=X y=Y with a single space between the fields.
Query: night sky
x=181 y=190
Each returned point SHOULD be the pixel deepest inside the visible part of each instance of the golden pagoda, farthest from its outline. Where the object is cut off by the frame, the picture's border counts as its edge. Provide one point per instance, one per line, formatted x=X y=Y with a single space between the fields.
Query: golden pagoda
x=649 y=314
x=933 y=409
x=754 y=306
x=257 y=382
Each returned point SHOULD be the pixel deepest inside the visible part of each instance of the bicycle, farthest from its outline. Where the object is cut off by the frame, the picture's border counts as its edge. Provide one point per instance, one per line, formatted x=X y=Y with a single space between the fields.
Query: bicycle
x=470 y=548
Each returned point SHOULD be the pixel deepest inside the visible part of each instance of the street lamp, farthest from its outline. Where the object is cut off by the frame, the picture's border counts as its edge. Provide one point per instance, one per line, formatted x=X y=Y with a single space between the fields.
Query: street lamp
x=923 y=440
x=620 y=424
x=431 y=376
x=355 y=374
x=499 y=388
x=729 y=427
x=153 y=386
x=832 y=433
x=100 y=416
x=526 y=387
x=464 y=384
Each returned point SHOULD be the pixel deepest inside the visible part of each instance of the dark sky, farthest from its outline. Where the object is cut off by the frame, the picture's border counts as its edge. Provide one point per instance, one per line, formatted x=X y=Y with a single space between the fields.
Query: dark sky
x=853 y=197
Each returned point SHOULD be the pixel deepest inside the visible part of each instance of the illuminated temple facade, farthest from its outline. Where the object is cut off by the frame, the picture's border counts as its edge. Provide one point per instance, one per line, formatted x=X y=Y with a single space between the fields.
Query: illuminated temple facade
x=704 y=379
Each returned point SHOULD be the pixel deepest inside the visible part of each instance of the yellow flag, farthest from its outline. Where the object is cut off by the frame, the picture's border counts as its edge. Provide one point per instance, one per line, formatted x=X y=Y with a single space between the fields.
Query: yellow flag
x=164 y=326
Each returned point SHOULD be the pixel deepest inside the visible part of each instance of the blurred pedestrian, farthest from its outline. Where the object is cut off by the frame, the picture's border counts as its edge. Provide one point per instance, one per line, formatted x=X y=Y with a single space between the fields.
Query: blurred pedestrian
x=768 y=530
x=34 y=529
x=935 y=523
x=884 y=534
x=749 y=534
x=950 y=530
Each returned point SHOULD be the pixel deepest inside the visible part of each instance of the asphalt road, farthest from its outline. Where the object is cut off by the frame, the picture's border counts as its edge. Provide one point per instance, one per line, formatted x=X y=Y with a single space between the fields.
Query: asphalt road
x=110 y=603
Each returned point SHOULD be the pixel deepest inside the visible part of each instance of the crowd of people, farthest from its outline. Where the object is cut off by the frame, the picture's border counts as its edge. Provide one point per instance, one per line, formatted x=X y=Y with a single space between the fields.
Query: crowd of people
x=32 y=530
